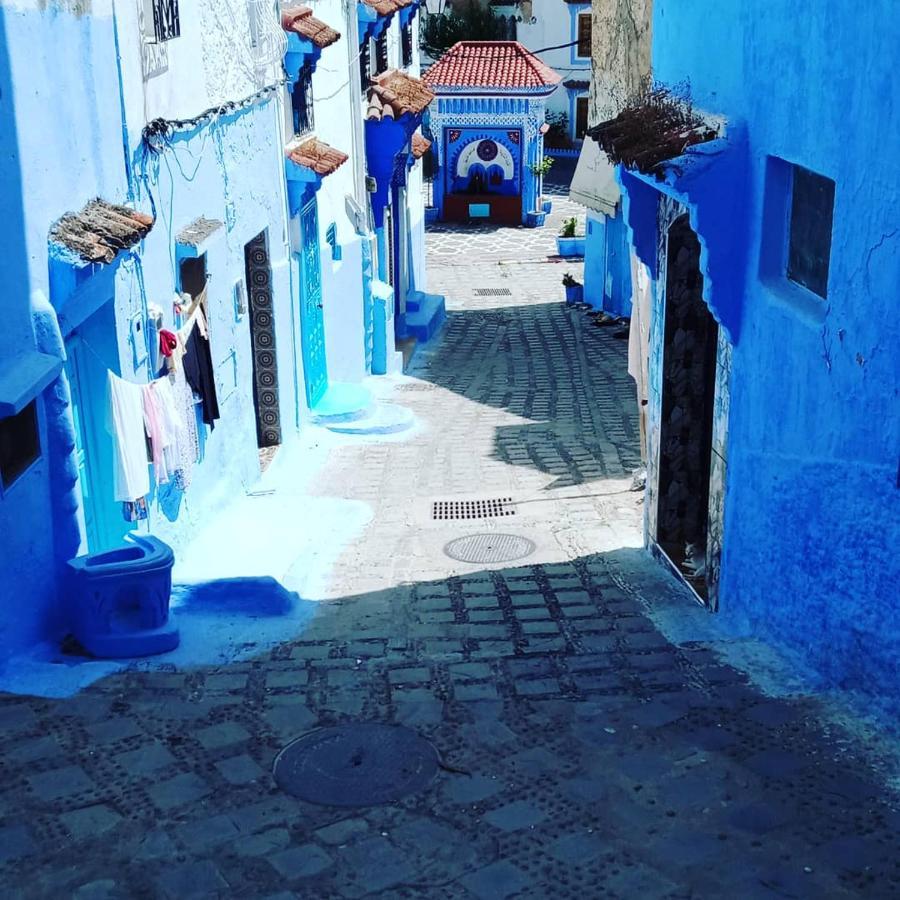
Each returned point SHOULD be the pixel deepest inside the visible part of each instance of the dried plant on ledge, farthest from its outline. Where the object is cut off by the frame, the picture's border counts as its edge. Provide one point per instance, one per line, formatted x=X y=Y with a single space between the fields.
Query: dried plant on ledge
x=655 y=126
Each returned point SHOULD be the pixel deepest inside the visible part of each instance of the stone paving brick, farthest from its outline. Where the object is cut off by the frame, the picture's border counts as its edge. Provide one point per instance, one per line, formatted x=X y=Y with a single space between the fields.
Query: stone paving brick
x=58 y=784
x=89 y=822
x=515 y=816
x=496 y=881
x=418 y=675
x=376 y=865
x=291 y=678
x=192 y=880
x=300 y=862
x=145 y=759
x=223 y=735
x=240 y=769
x=181 y=790
x=15 y=842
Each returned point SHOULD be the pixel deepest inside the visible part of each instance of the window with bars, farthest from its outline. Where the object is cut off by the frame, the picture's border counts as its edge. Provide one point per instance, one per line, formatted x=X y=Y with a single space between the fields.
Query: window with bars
x=381 y=53
x=584 y=35
x=302 y=102
x=365 y=65
x=161 y=20
x=406 y=45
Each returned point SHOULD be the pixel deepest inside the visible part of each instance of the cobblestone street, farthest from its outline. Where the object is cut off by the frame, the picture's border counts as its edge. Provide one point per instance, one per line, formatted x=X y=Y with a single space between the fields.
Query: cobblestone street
x=587 y=752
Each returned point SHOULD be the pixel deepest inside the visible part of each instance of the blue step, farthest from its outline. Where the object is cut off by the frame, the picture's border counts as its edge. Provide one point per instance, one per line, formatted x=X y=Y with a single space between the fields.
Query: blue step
x=342 y=403
x=382 y=418
x=425 y=313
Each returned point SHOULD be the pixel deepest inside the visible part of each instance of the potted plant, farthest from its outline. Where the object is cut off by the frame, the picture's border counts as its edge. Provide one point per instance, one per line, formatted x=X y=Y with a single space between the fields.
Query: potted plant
x=568 y=242
x=539 y=170
x=574 y=290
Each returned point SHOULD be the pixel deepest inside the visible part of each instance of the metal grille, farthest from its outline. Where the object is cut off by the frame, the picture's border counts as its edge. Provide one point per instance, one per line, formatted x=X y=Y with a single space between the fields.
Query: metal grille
x=166 y=22
x=493 y=292
x=443 y=510
x=406 y=46
x=302 y=102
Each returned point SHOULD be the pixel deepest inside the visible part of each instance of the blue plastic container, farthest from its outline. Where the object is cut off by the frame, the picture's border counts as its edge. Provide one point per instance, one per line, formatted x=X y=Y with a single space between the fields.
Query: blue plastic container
x=119 y=600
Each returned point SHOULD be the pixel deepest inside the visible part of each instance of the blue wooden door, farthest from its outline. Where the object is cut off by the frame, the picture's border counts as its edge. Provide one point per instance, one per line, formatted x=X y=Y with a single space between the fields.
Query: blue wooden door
x=312 y=320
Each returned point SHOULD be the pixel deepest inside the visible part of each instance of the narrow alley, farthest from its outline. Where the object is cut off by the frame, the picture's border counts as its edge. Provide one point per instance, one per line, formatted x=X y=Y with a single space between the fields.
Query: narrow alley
x=586 y=748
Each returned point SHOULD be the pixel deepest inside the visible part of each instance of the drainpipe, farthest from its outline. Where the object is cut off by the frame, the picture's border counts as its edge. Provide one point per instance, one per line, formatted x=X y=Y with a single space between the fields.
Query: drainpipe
x=129 y=173
x=356 y=101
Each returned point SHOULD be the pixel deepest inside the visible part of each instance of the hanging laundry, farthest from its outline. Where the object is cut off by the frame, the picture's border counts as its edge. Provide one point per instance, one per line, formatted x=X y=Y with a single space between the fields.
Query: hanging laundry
x=179 y=454
x=198 y=368
x=184 y=401
x=135 y=511
x=126 y=424
x=157 y=431
x=167 y=342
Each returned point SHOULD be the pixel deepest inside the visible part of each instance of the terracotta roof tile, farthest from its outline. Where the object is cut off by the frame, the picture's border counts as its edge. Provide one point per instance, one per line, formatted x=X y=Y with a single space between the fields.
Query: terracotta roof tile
x=485 y=64
x=100 y=230
x=300 y=20
x=388 y=7
x=395 y=93
x=419 y=145
x=317 y=155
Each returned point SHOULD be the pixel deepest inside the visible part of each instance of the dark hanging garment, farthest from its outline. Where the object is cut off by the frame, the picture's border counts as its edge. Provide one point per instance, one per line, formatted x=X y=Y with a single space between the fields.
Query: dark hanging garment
x=198 y=369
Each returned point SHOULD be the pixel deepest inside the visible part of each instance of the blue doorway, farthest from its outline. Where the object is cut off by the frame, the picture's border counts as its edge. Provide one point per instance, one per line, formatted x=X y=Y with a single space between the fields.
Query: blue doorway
x=91 y=353
x=312 y=319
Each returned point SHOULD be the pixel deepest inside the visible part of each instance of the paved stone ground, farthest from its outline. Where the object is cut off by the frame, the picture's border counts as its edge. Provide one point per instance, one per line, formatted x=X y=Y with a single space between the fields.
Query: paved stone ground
x=598 y=758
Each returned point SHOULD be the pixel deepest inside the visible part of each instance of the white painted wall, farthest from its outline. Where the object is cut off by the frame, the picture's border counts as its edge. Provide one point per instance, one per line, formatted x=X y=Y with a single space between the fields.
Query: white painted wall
x=555 y=24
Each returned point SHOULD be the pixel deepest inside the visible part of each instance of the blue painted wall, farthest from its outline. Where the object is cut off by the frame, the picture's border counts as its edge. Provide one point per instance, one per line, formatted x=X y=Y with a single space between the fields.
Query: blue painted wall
x=812 y=501
x=57 y=152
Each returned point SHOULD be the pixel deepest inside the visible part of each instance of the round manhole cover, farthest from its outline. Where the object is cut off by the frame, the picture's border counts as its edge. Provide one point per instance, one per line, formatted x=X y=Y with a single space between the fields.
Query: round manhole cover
x=362 y=764
x=489 y=548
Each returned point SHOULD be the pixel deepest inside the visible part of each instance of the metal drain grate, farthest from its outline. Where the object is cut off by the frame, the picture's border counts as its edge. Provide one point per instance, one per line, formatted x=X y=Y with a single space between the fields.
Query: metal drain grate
x=357 y=764
x=489 y=548
x=493 y=292
x=442 y=510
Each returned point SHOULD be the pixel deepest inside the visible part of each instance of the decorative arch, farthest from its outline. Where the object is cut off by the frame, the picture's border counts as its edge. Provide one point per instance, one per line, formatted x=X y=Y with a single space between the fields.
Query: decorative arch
x=488 y=154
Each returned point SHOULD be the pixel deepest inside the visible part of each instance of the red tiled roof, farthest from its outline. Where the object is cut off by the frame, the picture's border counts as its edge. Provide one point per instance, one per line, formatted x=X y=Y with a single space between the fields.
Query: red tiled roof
x=419 y=145
x=100 y=230
x=318 y=156
x=486 y=64
x=395 y=93
x=388 y=7
x=300 y=20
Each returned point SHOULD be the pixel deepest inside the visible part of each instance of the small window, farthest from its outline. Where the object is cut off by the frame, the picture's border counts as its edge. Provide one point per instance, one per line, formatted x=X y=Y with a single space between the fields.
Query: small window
x=331 y=237
x=161 y=20
x=20 y=444
x=302 y=102
x=381 y=53
x=581 y=117
x=406 y=46
x=584 y=35
x=809 y=242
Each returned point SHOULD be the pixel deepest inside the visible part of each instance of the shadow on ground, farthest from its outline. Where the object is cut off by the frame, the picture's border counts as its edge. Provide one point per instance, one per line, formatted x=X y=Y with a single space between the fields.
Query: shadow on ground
x=595 y=758
x=548 y=363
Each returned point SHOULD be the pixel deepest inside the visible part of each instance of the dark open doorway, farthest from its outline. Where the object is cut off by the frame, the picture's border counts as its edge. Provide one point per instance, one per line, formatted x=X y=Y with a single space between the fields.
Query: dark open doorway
x=262 y=338
x=688 y=395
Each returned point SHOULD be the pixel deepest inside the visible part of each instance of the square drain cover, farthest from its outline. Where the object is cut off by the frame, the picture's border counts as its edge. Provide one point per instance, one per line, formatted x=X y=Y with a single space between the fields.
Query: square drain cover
x=455 y=510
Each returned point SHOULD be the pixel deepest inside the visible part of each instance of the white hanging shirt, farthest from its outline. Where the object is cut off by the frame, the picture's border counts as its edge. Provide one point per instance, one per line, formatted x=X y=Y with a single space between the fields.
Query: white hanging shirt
x=126 y=424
